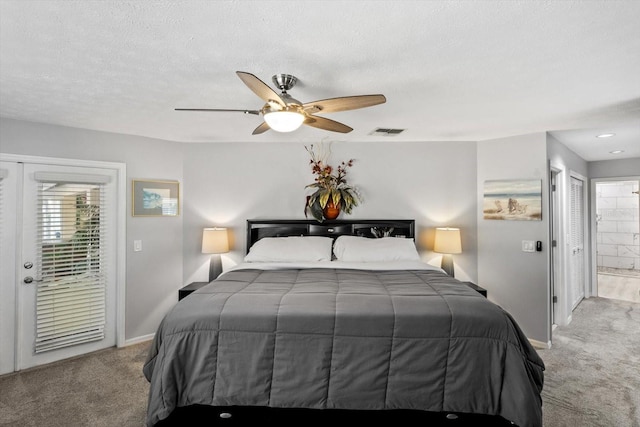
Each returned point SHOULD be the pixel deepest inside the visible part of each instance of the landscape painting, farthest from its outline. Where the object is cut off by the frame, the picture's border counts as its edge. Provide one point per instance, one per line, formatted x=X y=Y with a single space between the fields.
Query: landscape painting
x=519 y=200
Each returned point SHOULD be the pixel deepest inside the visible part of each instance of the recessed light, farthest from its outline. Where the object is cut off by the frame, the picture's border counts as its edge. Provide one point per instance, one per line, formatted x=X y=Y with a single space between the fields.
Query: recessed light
x=605 y=135
x=616 y=151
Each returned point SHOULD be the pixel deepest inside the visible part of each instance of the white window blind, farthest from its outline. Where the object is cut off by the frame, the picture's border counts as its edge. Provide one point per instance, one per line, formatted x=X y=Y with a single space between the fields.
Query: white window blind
x=577 y=241
x=71 y=292
x=577 y=213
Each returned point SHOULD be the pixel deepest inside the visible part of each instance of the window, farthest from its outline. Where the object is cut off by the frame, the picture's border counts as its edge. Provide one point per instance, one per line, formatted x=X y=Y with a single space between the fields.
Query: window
x=71 y=292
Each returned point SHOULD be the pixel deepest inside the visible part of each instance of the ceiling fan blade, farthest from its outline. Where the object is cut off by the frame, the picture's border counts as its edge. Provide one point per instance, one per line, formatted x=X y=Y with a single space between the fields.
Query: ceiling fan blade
x=261 y=129
x=327 y=124
x=343 y=103
x=256 y=112
x=260 y=88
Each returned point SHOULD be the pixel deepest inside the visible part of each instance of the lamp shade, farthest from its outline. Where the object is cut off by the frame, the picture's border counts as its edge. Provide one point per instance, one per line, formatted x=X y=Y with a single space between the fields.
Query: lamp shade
x=447 y=241
x=215 y=241
x=284 y=121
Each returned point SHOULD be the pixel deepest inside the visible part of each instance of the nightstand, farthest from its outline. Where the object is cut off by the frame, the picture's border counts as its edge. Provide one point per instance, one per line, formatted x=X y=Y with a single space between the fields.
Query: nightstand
x=193 y=286
x=477 y=288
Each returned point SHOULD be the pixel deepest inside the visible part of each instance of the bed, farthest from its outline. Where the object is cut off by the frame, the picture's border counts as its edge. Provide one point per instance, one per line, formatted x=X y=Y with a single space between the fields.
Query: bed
x=340 y=319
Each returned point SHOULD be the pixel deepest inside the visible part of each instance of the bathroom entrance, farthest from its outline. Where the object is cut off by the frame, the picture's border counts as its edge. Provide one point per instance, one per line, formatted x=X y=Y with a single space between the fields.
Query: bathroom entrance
x=617 y=233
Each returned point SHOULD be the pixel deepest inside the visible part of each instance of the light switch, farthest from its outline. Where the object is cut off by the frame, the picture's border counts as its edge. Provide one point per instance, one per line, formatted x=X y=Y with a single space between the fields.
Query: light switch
x=137 y=245
x=528 y=246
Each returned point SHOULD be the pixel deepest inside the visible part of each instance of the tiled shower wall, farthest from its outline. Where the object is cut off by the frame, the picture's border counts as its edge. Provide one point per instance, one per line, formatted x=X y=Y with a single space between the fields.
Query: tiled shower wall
x=618 y=225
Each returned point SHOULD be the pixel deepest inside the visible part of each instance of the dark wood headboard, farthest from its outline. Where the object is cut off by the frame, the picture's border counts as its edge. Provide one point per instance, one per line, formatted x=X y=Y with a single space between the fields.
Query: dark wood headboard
x=257 y=229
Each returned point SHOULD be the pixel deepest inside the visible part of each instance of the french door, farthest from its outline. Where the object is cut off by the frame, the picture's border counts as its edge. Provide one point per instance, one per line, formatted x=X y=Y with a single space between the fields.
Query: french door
x=64 y=282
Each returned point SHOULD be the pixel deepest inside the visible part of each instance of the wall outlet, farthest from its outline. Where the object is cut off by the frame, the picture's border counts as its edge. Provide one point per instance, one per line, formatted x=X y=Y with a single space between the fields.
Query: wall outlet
x=528 y=246
x=137 y=245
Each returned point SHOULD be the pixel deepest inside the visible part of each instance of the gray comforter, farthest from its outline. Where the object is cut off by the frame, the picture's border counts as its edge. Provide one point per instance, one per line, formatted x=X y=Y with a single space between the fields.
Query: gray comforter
x=343 y=339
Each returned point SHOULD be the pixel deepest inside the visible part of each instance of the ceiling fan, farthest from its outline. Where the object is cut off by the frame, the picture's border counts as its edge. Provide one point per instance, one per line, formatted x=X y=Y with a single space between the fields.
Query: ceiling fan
x=283 y=113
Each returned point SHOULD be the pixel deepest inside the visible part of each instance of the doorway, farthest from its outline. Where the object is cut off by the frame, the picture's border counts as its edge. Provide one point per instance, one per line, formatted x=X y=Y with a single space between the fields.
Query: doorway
x=617 y=230
x=62 y=231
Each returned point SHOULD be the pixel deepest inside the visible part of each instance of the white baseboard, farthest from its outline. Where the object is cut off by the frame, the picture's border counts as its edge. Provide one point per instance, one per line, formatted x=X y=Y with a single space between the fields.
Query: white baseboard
x=138 y=340
x=540 y=345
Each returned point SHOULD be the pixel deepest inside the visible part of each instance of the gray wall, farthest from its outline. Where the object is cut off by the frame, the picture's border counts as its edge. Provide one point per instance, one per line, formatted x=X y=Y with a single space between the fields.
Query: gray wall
x=154 y=275
x=559 y=154
x=517 y=281
x=226 y=184
x=435 y=183
x=614 y=168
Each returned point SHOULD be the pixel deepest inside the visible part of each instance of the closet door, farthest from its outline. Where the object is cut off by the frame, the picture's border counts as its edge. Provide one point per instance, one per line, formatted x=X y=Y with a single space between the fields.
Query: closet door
x=577 y=238
x=67 y=273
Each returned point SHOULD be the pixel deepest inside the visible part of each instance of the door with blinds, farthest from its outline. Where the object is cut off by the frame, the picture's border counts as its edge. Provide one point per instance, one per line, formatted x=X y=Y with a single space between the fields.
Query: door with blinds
x=577 y=239
x=67 y=292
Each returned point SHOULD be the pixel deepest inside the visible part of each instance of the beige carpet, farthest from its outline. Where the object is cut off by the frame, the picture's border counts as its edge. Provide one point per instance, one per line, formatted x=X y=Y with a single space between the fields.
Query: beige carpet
x=593 y=368
x=592 y=379
x=102 y=389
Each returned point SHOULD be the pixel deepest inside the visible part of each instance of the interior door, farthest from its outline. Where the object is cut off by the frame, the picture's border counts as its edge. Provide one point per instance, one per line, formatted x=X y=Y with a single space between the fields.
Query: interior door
x=67 y=285
x=577 y=238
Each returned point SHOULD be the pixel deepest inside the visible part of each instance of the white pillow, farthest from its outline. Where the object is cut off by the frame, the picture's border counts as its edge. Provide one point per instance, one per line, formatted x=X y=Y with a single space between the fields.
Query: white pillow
x=290 y=249
x=364 y=249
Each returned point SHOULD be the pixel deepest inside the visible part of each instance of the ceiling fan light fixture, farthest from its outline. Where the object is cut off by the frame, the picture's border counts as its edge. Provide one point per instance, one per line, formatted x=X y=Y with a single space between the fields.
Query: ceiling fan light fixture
x=284 y=121
x=283 y=113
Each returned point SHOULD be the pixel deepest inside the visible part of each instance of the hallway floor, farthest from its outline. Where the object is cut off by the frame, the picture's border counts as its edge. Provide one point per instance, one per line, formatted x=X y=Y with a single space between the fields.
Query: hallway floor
x=615 y=286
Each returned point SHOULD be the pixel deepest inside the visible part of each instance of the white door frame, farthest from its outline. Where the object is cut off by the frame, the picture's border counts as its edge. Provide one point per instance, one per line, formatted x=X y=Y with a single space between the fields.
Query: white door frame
x=556 y=174
x=562 y=316
x=8 y=254
x=592 y=215
x=562 y=268
x=121 y=217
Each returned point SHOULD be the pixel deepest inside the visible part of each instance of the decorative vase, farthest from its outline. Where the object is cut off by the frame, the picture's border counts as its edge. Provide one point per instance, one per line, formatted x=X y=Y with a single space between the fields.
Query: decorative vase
x=331 y=211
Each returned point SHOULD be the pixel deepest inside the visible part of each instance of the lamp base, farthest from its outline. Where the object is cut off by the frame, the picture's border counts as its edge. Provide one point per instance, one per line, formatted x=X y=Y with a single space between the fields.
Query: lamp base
x=447 y=264
x=215 y=267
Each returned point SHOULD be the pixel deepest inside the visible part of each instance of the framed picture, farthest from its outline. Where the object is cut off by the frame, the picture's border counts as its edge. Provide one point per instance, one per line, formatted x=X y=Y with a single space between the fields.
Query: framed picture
x=155 y=198
x=513 y=199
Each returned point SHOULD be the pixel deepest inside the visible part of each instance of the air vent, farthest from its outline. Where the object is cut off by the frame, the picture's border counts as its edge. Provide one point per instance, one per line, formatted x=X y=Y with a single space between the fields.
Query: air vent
x=387 y=132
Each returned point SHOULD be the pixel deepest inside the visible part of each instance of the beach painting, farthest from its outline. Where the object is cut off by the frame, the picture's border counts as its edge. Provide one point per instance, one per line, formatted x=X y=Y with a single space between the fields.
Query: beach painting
x=512 y=199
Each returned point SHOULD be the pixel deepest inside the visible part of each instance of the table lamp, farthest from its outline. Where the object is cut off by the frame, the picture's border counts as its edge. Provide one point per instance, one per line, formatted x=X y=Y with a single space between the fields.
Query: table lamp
x=447 y=242
x=215 y=241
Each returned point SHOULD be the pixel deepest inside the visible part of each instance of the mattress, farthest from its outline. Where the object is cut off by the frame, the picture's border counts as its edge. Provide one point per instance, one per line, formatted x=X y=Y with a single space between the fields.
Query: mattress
x=343 y=337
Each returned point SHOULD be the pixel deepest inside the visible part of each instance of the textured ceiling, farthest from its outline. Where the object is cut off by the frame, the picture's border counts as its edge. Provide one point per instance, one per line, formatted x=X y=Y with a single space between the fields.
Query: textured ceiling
x=450 y=70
